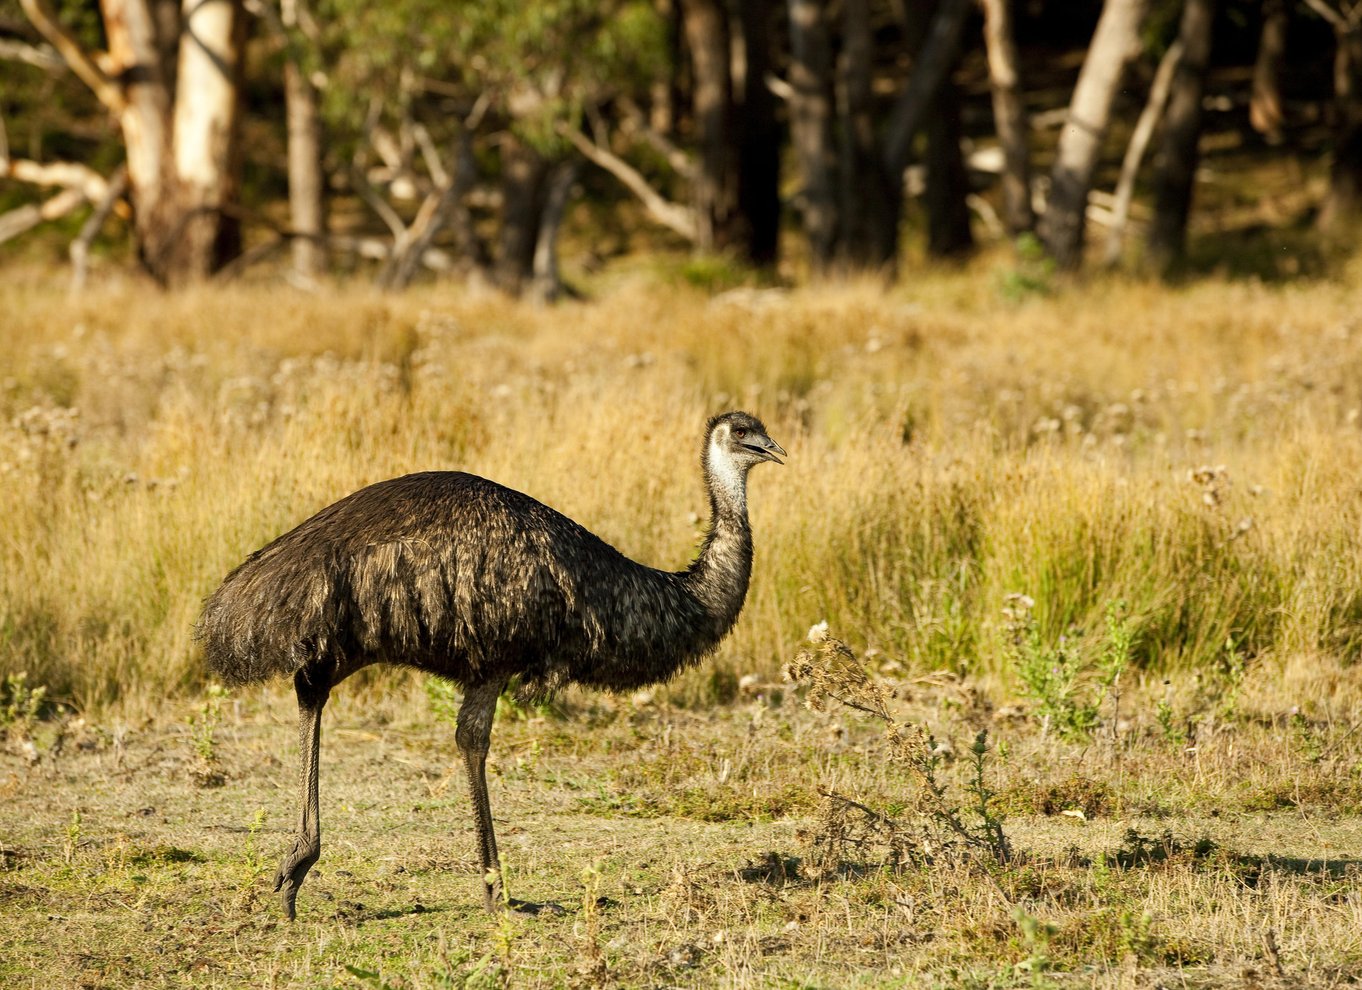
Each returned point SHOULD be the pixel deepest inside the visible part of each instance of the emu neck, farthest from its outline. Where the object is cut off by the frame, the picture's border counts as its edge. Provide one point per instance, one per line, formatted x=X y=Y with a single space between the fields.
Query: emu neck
x=718 y=578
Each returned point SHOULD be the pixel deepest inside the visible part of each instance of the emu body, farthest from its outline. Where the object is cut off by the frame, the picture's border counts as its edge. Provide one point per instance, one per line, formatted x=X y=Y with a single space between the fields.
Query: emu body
x=461 y=577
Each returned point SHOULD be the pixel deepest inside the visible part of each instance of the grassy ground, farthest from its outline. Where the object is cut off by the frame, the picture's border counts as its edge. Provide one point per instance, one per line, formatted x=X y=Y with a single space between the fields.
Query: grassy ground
x=1114 y=525
x=690 y=848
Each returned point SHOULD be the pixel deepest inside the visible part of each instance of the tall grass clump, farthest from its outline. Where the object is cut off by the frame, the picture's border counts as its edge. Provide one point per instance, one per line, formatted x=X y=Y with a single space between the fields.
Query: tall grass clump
x=1192 y=452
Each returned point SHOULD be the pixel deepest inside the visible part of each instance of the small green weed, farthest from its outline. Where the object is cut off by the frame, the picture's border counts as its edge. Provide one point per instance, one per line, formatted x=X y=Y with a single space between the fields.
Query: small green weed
x=203 y=726
x=71 y=840
x=1067 y=688
x=1035 y=940
x=1033 y=274
x=20 y=706
x=1170 y=730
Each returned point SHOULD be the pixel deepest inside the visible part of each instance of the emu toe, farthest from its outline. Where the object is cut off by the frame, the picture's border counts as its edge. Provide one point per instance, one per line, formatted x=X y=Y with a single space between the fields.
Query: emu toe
x=532 y=909
x=293 y=870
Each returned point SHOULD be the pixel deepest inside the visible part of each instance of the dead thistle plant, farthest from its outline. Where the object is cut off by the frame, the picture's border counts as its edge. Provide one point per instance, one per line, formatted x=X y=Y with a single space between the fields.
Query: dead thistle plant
x=947 y=830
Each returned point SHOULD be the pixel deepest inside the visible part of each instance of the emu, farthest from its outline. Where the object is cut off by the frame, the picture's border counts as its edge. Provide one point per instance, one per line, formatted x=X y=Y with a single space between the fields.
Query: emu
x=458 y=576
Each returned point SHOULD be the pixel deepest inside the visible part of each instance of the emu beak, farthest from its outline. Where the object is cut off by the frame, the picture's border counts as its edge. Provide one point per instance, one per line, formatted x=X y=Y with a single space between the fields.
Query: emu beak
x=769 y=448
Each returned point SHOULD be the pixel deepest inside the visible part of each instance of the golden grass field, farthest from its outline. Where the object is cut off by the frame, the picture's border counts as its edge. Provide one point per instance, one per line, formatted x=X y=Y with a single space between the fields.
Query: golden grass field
x=1186 y=458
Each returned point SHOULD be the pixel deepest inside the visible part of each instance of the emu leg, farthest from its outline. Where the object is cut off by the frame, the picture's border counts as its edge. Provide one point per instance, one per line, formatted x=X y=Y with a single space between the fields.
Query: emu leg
x=473 y=735
x=313 y=686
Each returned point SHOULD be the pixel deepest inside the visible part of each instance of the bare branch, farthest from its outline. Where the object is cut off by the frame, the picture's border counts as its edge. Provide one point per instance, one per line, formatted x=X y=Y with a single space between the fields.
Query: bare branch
x=72 y=175
x=431 y=155
x=80 y=247
x=669 y=214
x=1139 y=140
x=104 y=88
x=1335 y=17
x=377 y=203
x=25 y=218
x=676 y=158
x=40 y=56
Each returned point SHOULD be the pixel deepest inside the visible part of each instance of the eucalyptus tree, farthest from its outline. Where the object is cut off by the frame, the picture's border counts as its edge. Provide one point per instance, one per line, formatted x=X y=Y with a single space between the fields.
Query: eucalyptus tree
x=445 y=116
x=1115 y=42
x=170 y=77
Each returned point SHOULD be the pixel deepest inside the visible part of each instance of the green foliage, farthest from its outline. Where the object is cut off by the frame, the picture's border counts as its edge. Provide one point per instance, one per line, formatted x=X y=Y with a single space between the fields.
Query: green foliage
x=444 y=698
x=1170 y=731
x=20 y=704
x=1067 y=687
x=537 y=63
x=1036 y=936
x=203 y=727
x=1033 y=273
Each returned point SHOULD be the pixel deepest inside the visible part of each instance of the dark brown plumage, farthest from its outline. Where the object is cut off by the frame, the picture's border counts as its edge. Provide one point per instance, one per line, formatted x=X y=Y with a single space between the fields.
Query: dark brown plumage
x=458 y=576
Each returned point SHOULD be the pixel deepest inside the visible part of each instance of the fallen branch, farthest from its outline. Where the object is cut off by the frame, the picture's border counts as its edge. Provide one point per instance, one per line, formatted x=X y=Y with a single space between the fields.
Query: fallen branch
x=25 y=218
x=71 y=175
x=80 y=247
x=80 y=183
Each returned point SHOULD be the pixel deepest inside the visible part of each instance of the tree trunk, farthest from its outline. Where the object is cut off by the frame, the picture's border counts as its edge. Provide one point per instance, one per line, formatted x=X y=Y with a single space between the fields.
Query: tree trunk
x=194 y=236
x=547 y=285
x=1343 y=206
x=1265 y=105
x=472 y=248
x=1175 y=175
x=1009 y=115
x=759 y=137
x=135 y=66
x=948 y=230
x=869 y=210
x=305 y=181
x=1114 y=43
x=938 y=53
x=522 y=183
x=716 y=187
x=811 y=126
x=178 y=122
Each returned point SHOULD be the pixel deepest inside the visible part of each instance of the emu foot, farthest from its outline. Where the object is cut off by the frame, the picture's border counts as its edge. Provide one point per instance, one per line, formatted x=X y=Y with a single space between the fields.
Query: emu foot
x=532 y=909
x=293 y=870
x=495 y=903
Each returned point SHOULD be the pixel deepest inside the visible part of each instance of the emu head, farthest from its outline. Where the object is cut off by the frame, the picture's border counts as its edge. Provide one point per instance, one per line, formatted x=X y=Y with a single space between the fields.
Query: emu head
x=734 y=442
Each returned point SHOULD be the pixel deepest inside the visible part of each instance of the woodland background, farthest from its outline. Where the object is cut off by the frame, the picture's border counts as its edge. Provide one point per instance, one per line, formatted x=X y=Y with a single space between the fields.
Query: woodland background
x=817 y=137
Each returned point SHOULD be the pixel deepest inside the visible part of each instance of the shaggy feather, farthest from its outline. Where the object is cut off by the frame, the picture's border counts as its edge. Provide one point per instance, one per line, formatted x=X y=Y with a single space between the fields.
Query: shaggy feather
x=462 y=577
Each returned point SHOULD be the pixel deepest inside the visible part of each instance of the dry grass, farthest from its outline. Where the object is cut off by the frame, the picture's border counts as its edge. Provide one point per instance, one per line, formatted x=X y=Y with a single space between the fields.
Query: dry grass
x=1192 y=453
x=949 y=447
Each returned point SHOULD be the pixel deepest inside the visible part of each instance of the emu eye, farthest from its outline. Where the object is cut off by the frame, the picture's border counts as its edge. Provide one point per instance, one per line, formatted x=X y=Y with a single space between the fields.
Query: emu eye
x=740 y=433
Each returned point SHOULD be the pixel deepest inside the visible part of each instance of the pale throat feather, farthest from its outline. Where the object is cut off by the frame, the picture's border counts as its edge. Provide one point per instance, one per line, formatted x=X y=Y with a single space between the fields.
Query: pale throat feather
x=726 y=478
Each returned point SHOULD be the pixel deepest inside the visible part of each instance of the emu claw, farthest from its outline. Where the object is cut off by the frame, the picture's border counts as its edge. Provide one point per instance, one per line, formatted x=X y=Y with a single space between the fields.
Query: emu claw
x=292 y=871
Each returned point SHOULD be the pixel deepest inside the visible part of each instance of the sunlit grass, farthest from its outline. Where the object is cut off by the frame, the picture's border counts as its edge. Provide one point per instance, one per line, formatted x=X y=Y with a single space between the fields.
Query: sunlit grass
x=949 y=445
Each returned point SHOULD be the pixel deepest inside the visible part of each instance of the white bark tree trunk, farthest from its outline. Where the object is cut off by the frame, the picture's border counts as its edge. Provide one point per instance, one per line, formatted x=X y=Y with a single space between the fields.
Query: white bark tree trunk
x=1114 y=43
x=178 y=122
x=305 y=183
x=1009 y=115
x=204 y=130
